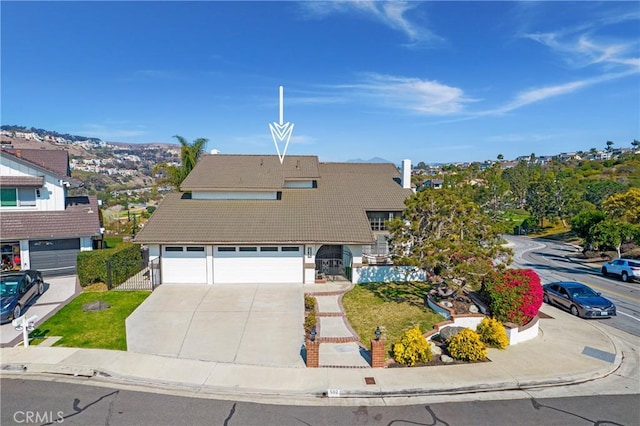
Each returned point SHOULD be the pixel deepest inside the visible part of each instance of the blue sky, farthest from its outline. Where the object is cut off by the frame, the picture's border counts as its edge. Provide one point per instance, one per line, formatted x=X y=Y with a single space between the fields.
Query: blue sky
x=429 y=81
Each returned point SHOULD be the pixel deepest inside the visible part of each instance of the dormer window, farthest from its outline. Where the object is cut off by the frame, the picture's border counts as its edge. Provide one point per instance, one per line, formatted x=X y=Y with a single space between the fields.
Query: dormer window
x=18 y=197
x=378 y=220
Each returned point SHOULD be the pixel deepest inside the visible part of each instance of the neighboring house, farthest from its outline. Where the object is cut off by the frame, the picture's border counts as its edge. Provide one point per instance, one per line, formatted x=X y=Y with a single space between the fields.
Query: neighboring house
x=250 y=219
x=38 y=221
x=431 y=183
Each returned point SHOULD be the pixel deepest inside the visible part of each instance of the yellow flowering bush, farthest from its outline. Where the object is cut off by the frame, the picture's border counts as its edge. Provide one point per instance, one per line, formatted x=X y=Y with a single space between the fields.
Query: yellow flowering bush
x=492 y=333
x=412 y=348
x=467 y=346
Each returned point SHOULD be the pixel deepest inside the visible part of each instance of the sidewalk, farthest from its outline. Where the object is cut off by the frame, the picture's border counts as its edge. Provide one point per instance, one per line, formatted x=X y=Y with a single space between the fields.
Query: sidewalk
x=568 y=350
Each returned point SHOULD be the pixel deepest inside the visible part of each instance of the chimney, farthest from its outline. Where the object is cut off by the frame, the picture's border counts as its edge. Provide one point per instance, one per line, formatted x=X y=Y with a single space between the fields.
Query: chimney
x=406 y=174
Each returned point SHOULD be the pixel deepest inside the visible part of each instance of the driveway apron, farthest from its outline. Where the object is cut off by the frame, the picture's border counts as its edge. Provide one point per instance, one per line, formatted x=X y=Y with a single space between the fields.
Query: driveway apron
x=259 y=324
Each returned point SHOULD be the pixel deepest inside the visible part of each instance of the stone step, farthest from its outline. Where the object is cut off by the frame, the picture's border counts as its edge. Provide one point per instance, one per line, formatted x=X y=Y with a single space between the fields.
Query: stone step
x=344 y=355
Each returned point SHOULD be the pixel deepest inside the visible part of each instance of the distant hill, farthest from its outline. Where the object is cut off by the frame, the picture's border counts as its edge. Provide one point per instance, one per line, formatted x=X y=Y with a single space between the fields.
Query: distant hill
x=371 y=160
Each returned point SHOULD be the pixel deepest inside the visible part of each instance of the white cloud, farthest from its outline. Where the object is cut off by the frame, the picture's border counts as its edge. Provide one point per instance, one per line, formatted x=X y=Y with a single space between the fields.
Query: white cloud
x=531 y=96
x=427 y=97
x=392 y=14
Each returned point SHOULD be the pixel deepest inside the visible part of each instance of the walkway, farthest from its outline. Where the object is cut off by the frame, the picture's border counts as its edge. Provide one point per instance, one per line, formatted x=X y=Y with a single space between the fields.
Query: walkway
x=339 y=345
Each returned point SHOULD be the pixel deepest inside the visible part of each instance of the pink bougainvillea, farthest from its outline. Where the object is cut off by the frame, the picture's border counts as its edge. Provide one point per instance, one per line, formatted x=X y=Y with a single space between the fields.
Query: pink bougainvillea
x=515 y=295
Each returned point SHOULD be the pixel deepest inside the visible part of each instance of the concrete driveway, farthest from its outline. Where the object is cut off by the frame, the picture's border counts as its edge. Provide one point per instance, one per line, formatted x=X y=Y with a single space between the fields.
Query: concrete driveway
x=58 y=291
x=259 y=324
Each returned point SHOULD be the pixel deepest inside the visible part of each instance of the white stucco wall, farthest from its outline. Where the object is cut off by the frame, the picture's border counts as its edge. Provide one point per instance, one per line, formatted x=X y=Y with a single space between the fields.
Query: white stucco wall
x=52 y=194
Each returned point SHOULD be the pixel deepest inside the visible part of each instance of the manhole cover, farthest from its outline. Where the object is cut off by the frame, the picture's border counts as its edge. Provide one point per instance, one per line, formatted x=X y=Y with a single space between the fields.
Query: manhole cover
x=370 y=380
x=96 y=306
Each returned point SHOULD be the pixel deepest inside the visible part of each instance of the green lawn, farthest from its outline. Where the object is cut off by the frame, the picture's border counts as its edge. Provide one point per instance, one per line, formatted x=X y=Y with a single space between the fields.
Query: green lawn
x=395 y=307
x=104 y=330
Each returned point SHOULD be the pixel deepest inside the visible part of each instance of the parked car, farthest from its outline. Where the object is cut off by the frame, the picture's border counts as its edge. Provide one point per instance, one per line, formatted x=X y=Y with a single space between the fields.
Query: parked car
x=17 y=289
x=579 y=299
x=624 y=268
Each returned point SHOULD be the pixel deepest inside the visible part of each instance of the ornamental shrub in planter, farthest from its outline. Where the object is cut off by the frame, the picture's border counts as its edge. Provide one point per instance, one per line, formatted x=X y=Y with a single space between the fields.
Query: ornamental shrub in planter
x=515 y=295
x=467 y=346
x=492 y=333
x=310 y=319
x=412 y=348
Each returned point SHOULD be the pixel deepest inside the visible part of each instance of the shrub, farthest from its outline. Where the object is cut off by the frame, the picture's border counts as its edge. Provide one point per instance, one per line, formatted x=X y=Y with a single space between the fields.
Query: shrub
x=515 y=295
x=310 y=321
x=412 y=348
x=492 y=333
x=124 y=261
x=467 y=346
x=309 y=303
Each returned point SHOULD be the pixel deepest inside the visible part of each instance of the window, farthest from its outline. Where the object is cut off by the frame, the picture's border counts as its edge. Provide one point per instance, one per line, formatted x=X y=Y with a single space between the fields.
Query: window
x=195 y=248
x=270 y=248
x=18 y=197
x=173 y=249
x=8 y=197
x=377 y=220
x=26 y=197
x=290 y=248
x=226 y=249
x=248 y=249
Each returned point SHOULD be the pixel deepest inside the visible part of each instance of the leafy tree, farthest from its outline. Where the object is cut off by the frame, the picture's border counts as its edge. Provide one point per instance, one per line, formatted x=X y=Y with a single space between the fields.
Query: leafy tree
x=625 y=206
x=421 y=165
x=598 y=191
x=518 y=178
x=609 y=146
x=500 y=157
x=492 y=195
x=635 y=144
x=445 y=233
x=189 y=155
x=539 y=199
x=582 y=224
x=613 y=233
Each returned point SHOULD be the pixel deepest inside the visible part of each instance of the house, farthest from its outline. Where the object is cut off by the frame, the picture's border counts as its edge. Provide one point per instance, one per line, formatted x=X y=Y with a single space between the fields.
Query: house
x=40 y=223
x=431 y=183
x=251 y=219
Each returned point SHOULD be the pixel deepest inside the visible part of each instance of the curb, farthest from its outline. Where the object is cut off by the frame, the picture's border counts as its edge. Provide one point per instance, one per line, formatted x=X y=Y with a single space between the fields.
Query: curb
x=87 y=375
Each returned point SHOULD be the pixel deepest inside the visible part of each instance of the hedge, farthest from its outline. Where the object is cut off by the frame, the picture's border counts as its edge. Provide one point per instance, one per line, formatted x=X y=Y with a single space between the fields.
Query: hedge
x=124 y=261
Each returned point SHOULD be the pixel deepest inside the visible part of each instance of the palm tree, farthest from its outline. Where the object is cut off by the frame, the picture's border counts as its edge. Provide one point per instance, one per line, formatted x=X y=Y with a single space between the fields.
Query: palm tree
x=500 y=157
x=189 y=155
x=635 y=144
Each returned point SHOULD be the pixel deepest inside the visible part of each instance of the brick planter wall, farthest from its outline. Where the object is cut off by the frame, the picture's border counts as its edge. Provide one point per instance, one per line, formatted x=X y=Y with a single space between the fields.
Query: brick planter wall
x=377 y=353
x=313 y=353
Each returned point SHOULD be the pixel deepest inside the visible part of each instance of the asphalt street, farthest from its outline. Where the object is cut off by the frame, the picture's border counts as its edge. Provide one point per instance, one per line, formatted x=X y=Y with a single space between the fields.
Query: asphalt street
x=67 y=403
x=549 y=259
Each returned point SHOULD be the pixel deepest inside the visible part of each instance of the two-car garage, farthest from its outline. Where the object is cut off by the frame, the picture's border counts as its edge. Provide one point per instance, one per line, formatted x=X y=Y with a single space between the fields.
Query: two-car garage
x=232 y=264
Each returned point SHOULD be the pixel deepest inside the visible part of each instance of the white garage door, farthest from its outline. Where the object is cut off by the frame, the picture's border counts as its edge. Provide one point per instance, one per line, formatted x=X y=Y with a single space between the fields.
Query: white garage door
x=186 y=265
x=261 y=264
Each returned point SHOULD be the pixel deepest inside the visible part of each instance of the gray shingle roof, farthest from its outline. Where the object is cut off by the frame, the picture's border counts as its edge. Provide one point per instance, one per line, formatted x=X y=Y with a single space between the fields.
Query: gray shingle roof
x=55 y=161
x=79 y=219
x=246 y=172
x=22 y=181
x=334 y=212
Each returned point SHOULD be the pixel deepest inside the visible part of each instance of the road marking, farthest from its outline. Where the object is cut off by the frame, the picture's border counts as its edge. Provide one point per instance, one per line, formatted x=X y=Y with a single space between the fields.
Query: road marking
x=630 y=316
